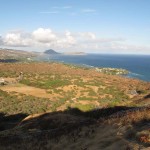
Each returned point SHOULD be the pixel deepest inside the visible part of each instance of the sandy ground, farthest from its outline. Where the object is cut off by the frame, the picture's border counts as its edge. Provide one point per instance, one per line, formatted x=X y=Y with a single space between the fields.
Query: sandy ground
x=28 y=90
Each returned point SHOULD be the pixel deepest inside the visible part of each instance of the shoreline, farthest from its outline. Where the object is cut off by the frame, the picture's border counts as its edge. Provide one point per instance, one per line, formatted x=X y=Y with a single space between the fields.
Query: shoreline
x=126 y=73
x=130 y=75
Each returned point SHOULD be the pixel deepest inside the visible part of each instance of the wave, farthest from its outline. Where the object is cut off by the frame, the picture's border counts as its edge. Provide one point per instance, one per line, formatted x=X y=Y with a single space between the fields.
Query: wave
x=135 y=74
x=89 y=66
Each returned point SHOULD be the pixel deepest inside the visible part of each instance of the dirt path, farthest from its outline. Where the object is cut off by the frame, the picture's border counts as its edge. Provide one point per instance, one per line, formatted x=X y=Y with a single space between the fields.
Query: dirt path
x=28 y=90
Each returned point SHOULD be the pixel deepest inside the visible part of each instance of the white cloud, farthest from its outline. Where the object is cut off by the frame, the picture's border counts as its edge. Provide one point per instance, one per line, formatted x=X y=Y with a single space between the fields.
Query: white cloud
x=16 y=39
x=69 y=38
x=88 y=35
x=48 y=38
x=43 y=35
x=42 y=38
x=1 y=40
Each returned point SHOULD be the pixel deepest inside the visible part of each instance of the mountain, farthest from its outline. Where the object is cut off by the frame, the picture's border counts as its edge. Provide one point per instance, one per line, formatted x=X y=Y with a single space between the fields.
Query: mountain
x=51 y=52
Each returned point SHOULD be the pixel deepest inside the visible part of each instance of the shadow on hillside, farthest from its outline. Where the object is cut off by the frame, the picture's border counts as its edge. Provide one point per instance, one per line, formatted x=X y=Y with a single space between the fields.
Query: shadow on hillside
x=69 y=122
x=98 y=113
x=59 y=119
x=8 y=60
x=70 y=119
x=8 y=122
x=147 y=96
x=139 y=132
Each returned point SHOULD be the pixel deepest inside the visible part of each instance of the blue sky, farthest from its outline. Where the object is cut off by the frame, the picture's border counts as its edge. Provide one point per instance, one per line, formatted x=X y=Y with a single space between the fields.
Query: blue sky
x=100 y=26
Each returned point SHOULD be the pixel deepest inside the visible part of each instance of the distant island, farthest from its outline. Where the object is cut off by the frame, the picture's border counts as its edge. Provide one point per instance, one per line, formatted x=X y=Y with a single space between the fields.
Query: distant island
x=51 y=52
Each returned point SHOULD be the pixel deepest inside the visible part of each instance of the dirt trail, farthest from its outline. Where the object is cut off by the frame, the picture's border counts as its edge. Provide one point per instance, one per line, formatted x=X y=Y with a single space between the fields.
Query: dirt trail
x=28 y=90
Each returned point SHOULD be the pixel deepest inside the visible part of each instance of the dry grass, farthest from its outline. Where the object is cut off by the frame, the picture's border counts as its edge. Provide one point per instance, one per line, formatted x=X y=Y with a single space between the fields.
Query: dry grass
x=74 y=86
x=89 y=123
x=133 y=115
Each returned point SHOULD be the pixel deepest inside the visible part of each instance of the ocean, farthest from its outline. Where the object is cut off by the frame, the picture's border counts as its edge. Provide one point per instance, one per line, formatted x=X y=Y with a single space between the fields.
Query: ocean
x=138 y=65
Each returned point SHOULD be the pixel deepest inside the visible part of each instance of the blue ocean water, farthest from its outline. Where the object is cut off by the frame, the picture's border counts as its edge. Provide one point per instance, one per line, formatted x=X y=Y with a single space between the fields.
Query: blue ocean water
x=138 y=65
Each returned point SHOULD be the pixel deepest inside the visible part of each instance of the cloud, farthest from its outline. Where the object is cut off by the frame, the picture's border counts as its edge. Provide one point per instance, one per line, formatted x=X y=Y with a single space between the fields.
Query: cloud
x=43 y=35
x=43 y=38
x=62 y=7
x=66 y=7
x=89 y=10
x=73 y=14
x=49 y=12
x=88 y=35
x=16 y=39
x=56 y=10
x=1 y=40
x=48 y=38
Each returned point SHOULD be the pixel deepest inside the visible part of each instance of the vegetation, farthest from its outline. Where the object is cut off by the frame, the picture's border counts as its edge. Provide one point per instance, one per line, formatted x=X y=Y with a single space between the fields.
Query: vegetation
x=80 y=104
x=64 y=82
x=10 y=103
x=113 y=71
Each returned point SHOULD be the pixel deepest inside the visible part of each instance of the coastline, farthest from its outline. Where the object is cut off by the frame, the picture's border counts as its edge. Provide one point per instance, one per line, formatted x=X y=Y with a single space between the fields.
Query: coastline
x=131 y=63
x=127 y=74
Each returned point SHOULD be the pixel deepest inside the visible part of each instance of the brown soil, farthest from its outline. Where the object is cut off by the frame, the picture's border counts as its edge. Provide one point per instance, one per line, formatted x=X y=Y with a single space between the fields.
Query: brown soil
x=28 y=90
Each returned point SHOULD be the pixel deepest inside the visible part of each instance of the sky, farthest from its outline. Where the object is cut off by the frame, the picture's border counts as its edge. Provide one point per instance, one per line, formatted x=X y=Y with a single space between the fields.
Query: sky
x=92 y=26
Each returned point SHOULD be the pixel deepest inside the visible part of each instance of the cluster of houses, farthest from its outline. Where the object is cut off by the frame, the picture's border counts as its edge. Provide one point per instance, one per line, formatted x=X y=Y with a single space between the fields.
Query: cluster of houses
x=113 y=71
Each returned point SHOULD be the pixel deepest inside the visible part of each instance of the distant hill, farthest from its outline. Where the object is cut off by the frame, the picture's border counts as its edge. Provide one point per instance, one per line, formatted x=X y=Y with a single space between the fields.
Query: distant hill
x=51 y=52
x=15 y=54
